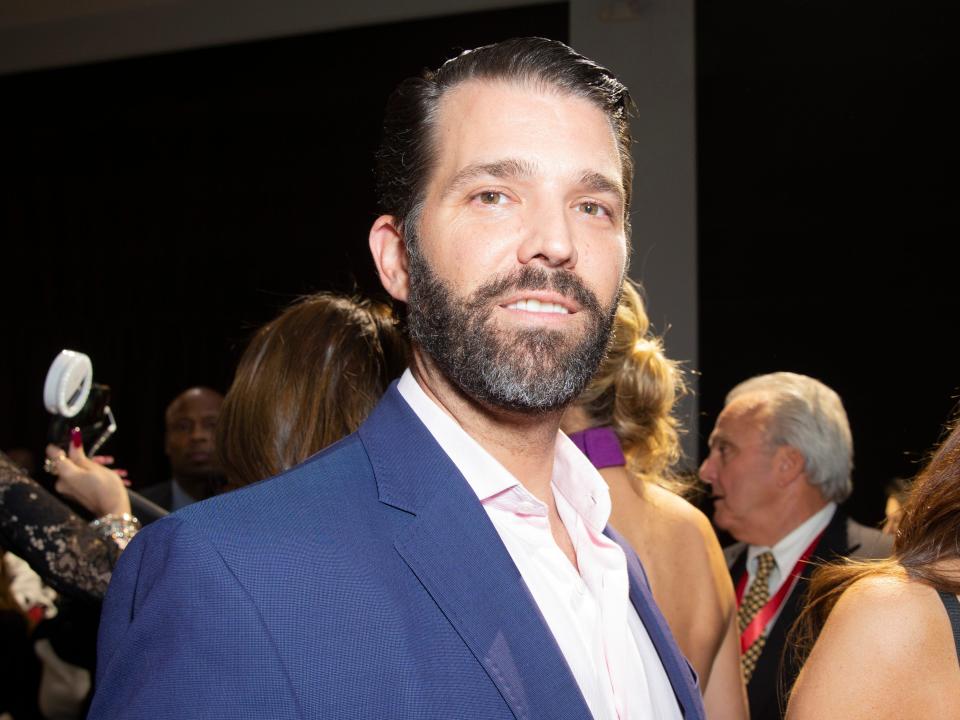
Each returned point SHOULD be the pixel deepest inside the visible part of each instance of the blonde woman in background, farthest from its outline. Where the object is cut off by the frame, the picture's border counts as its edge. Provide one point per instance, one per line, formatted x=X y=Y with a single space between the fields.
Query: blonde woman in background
x=624 y=423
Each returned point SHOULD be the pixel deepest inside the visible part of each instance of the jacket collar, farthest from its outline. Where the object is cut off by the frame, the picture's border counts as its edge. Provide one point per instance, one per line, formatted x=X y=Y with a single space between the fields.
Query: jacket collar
x=458 y=557
x=679 y=671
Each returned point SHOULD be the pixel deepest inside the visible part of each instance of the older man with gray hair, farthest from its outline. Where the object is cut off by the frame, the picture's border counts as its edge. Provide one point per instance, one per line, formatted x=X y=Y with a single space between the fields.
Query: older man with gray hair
x=779 y=465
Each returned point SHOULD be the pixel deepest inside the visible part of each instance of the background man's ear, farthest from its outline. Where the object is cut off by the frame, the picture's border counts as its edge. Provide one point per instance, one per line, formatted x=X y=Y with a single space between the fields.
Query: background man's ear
x=790 y=464
x=390 y=256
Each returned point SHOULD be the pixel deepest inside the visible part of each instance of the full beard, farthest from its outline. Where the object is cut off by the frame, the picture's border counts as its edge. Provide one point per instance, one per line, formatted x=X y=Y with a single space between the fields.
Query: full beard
x=530 y=370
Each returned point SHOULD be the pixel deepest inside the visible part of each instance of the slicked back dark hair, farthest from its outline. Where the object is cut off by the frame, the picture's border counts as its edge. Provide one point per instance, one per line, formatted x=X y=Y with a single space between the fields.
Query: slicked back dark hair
x=407 y=149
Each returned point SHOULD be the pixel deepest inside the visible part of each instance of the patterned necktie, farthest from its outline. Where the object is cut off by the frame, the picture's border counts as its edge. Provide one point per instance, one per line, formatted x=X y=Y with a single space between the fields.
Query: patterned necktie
x=756 y=597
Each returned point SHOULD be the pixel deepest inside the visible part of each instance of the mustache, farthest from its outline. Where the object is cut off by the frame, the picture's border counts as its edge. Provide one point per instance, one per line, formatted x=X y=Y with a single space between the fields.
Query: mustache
x=563 y=282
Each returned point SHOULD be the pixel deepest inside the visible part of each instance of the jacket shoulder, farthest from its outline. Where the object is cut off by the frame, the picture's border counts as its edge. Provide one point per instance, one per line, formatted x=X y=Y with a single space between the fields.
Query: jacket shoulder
x=334 y=480
x=732 y=552
x=867 y=543
x=160 y=493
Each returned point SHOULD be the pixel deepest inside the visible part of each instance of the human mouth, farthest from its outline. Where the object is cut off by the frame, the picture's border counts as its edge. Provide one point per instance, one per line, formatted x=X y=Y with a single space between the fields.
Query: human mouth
x=543 y=303
x=537 y=306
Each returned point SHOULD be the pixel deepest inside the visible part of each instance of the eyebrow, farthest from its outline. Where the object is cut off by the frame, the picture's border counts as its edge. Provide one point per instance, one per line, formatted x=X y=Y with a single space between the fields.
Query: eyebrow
x=512 y=168
x=599 y=183
x=502 y=169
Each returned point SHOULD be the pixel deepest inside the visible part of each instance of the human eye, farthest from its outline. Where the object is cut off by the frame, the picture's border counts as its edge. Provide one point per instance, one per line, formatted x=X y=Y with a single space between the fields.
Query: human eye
x=594 y=208
x=490 y=197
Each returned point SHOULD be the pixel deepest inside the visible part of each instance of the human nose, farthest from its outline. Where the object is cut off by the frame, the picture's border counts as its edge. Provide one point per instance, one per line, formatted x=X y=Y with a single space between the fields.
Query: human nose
x=200 y=433
x=707 y=470
x=550 y=240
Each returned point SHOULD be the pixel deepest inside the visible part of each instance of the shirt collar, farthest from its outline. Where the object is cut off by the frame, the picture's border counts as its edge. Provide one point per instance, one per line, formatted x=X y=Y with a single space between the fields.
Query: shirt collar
x=789 y=549
x=573 y=475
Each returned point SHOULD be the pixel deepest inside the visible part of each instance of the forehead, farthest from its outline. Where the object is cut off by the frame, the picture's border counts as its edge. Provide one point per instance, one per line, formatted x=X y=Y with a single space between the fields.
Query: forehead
x=553 y=130
x=194 y=405
x=743 y=421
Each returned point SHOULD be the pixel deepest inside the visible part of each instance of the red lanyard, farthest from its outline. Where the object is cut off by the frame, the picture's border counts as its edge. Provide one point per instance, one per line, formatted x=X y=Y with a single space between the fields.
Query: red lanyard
x=767 y=612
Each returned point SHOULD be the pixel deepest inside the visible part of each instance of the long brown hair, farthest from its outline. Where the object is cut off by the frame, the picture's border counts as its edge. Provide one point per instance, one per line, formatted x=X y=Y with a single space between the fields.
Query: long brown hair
x=307 y=379
x=635 y=391
x=929 y=533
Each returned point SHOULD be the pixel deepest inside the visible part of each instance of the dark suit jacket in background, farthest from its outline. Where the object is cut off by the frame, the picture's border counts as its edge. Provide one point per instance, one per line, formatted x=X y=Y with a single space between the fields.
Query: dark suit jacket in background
x=147 y=509
x=772 y=679
x=367 y=582
x=161 y=494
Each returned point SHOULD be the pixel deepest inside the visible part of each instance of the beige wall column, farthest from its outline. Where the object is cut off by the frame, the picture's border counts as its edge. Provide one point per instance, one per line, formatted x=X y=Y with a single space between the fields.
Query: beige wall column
x=649 y=44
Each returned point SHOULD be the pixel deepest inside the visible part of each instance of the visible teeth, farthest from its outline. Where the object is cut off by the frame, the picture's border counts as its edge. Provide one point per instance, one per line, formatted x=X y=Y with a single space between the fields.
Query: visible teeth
x=533 y=305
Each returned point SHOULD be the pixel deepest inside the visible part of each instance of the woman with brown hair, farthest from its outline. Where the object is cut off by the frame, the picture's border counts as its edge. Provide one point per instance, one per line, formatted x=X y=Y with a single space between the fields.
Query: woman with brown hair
x=624 y=423
x=307 y=379
x=887 y=633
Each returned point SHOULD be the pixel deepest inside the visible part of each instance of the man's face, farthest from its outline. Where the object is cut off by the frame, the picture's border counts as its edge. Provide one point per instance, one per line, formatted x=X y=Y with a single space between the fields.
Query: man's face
x=517 y=265
x=191 y=421
x=741 y=468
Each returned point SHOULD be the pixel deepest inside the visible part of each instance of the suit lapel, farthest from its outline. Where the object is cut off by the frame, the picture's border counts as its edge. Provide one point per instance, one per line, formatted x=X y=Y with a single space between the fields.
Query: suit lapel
x=458 y=557
x=833 y=545
x=678 y=670
x=776 y=668
x=739 y=564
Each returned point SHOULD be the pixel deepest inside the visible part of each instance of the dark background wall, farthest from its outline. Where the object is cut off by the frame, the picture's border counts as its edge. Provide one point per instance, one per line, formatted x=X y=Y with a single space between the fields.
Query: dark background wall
x=155 y=211
x=828 y=156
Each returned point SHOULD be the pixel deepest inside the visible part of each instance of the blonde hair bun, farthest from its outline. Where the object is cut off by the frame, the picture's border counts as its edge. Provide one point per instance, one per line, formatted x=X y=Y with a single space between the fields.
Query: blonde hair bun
x=635 y=391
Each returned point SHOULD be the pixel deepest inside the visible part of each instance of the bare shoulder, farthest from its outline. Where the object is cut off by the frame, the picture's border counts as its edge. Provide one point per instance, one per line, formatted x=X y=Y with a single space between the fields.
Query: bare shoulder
x=888 y=618
x=686 y=525
x=886 y=649
x=907 y=604
x=689 y=534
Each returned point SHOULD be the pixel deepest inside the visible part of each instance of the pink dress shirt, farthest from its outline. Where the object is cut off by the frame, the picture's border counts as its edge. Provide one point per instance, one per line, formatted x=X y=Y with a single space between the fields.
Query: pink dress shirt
x=589 y=613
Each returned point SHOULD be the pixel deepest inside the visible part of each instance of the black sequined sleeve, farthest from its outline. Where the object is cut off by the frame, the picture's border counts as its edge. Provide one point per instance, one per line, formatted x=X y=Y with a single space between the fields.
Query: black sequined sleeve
x=56 y=542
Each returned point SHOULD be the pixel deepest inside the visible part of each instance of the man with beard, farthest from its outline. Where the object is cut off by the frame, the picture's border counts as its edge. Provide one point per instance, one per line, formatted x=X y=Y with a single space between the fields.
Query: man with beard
x=451 y=558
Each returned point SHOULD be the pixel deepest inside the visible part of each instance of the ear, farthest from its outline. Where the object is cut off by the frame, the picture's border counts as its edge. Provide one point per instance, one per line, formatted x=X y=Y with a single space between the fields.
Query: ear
x=390 y=256
x=789 y=464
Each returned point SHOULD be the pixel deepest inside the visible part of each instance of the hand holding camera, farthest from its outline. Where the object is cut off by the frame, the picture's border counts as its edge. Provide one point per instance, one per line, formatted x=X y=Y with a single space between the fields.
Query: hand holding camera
x=76 y=402
x=96 y=487
x=81 y=413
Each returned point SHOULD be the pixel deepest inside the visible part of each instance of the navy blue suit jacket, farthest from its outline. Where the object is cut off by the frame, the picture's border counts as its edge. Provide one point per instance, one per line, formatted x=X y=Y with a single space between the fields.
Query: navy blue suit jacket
x=367 y=582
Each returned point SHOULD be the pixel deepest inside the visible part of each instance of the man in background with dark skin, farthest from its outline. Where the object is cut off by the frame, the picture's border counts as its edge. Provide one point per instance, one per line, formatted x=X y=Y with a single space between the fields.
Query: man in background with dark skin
x=190 y=422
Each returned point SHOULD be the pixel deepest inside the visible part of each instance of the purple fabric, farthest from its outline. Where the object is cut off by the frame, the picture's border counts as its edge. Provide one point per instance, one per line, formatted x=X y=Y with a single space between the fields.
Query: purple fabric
x=601 y=446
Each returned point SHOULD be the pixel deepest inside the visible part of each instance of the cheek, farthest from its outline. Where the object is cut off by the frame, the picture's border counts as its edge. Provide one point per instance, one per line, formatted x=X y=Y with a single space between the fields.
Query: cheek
x=469 y=251
x=731 y=488
x=601 y=264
